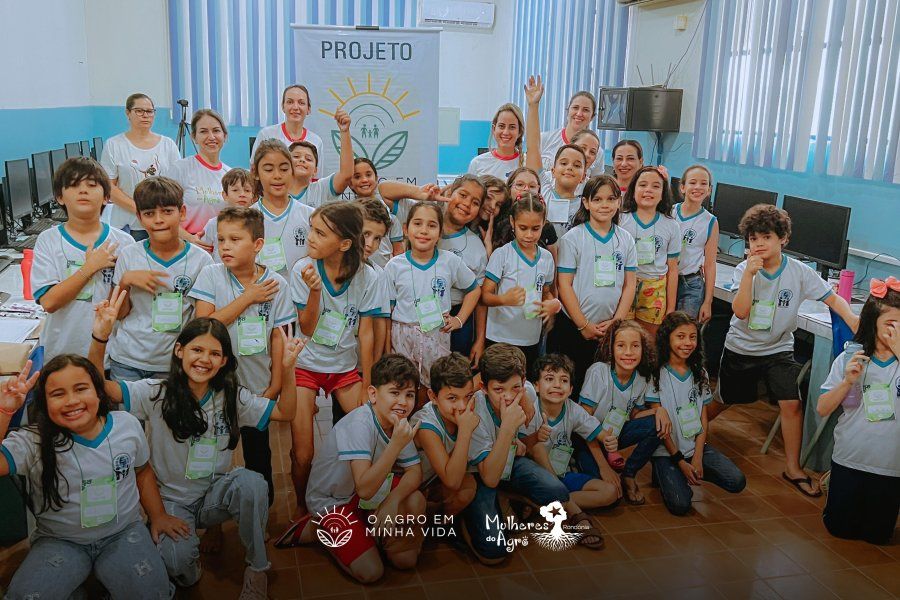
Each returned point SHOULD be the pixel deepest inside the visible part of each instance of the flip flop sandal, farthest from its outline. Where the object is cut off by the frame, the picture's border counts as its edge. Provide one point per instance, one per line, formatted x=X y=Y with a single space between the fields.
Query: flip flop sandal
x=590 y=537
x=630 y=497
x=800 y=480
x=291 y=537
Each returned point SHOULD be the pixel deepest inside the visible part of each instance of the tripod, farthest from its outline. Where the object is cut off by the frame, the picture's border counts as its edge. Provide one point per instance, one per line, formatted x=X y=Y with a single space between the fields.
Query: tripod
x=182 y=127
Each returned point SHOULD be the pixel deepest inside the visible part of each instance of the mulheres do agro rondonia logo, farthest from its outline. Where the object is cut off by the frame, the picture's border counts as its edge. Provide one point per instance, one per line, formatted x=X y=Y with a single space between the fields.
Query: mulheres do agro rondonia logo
x=377 y=130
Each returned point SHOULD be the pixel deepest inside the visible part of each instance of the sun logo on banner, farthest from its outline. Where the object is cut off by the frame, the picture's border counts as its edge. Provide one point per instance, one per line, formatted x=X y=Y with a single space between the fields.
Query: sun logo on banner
x=377 y=129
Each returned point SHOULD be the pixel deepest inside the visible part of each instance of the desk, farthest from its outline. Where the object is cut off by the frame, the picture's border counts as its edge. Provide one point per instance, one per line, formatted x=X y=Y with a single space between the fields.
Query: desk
x=815 y=318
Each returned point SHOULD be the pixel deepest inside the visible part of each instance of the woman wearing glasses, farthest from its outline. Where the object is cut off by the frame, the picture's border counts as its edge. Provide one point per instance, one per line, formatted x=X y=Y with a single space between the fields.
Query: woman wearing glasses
x=130 y=157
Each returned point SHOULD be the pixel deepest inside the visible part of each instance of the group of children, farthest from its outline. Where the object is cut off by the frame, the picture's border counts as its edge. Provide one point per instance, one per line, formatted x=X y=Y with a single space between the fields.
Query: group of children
x=488 y=336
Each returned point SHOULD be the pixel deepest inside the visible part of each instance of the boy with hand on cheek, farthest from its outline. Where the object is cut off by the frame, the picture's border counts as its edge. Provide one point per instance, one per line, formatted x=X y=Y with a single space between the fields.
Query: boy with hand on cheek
x=562 y=418
x=354 y=474
x=446 y=424
x=507 y=411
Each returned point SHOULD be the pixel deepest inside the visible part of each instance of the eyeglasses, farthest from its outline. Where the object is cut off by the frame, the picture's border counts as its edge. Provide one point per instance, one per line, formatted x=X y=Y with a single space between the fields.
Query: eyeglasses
x=144 y=112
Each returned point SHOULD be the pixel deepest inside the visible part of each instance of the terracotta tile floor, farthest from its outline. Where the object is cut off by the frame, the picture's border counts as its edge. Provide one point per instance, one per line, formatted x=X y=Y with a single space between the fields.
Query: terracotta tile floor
x=767 y=542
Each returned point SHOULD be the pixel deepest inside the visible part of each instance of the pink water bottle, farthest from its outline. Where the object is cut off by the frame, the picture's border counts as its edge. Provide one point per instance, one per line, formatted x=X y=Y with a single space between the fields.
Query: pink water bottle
x=854 y=395
x=845 y=284
x=27 y=260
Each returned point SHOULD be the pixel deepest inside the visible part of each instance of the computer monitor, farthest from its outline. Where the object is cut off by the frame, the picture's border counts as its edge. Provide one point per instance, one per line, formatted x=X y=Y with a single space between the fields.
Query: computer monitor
x=57 y=157
x=73 y=149
x=18 y=188
x=732 y=201
x=818 y=231
x=43 y=180
x=86 y=148
x=98 y=148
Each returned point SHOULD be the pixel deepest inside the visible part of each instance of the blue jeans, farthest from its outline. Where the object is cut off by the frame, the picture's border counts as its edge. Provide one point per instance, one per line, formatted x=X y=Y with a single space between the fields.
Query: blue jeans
x=676 y=492
x=127 y=564
x=691 y=291
x=122 y=372
x=241 y=495
x=640 y=433
x=482 y=517
x=461 y=339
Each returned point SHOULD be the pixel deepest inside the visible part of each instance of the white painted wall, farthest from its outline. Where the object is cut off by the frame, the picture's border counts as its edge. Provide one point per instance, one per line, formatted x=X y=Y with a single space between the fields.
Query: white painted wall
x=44 y=45
x=654 y=42
x=127 y=50
x=475 y=67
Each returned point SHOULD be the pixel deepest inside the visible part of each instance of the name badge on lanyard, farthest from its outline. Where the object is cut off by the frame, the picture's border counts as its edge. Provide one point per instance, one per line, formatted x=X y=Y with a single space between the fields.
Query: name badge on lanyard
x=272 y=254
x=98 y=501
x=532 y=295
x=615 y=420
x=201 y=462
x=689 y=420
x=762 y=315
x=604 y=271
x=558 y=210
x=559 y=458
x=428 y=311
x=510 y=459
x=375 y=501
x=87 y=292
x=330 y=328
x=878 y=402
x=252 y=337
x=646 y=250
x=166 y=312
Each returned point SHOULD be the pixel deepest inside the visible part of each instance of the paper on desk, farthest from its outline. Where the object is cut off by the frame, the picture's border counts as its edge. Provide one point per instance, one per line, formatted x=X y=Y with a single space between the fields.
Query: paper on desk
x=15 y=331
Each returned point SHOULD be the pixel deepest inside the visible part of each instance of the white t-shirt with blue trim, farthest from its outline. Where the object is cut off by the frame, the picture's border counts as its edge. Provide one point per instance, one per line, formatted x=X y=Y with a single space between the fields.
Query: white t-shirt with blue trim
x=553 y=199
x=695 y=230
x=485 y=435
x=430 y=419
x=291 y=227
x=579 y=249
x=134 y=342
x=169 y=457
x=409 y=281
x=871 y=446
x=470 y=248
x=602 y=390
x=666 y=236
x=358 y=436
x=218 y=286
x=678 y=393
x=318 y=192
x=510 y=268
x=572 y=419
x=787 y=287
x=358 y=297
x=56 y=254
x=118 y=450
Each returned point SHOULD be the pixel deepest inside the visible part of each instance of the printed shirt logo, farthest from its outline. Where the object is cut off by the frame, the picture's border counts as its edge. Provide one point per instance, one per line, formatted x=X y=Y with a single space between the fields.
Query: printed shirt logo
x=689 y=236
x=377 y=130
x=300 y=236
x=351 y=313
x=334 y=527
x=182 y=284
x=107 y=275
x=439 y=286
x=620 y=260
x=784 y=298
x=221 y=427
x=121 y=466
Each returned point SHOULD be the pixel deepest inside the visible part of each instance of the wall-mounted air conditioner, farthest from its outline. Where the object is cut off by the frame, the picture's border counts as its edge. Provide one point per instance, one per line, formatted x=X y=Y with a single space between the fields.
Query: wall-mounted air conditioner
x=456 y=14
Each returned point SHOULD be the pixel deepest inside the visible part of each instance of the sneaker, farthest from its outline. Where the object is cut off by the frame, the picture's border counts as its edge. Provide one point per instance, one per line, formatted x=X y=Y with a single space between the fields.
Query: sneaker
x=256 y=585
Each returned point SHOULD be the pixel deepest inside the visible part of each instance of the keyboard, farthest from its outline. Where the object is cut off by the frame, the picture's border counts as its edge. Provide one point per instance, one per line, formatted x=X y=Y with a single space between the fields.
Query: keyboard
x=40 y=226
x=5 y=261
x=727 y=259
x=25 y=243
x=59 y=215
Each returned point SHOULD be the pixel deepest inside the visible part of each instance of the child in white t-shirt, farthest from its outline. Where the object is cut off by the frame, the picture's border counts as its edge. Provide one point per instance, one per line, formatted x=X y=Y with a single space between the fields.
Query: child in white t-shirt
x=306 y=162
x=237 y=190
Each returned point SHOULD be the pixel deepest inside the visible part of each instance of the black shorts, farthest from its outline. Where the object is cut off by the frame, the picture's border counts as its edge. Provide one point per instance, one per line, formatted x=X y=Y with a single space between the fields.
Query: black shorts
x=739 y=377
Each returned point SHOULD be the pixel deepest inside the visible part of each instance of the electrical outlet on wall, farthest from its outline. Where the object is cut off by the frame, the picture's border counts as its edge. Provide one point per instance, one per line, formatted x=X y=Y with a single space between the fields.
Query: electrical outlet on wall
x=681 y=22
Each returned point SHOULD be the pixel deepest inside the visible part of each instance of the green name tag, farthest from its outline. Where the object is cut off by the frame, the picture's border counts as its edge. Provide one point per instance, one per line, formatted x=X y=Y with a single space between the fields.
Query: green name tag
x=615 y=420
x=375 y=501
x=559 y=458
x=510 y=459
x=201 y=462
x=87 y=292
x=330 y=328
x=646 y=250
x=878 y=402
x=98 y=501
x=167 y=312
x=252 y=337
x=689 y=420
x=762 y=315
x=428 y=311
x=604 y=271
x=272 y=254
x=532 y=295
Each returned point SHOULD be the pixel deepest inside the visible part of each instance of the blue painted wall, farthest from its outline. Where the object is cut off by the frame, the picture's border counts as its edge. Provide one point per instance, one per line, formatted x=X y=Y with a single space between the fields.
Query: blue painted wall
x=28 y=131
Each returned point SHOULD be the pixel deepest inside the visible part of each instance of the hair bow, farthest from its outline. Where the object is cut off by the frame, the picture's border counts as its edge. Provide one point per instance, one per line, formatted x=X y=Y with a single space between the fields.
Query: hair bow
x=879 y=288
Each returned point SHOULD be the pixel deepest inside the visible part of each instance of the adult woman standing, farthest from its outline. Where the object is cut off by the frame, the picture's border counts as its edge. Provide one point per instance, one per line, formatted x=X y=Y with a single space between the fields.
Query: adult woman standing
x=201 y=175
x=296 y=106
x=131 y=156
x=582 y=108
x=628 y=159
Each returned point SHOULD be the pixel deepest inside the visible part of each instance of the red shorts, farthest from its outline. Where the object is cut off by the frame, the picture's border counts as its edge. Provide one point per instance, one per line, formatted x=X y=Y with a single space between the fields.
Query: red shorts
x=359 y=542
x=325 y=381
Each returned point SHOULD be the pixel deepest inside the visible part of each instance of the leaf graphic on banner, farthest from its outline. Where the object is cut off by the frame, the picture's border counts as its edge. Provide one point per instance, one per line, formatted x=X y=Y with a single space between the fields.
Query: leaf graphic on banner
x=325 y=538
x=359 y=151
x=342 y=538
x=390 y=149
